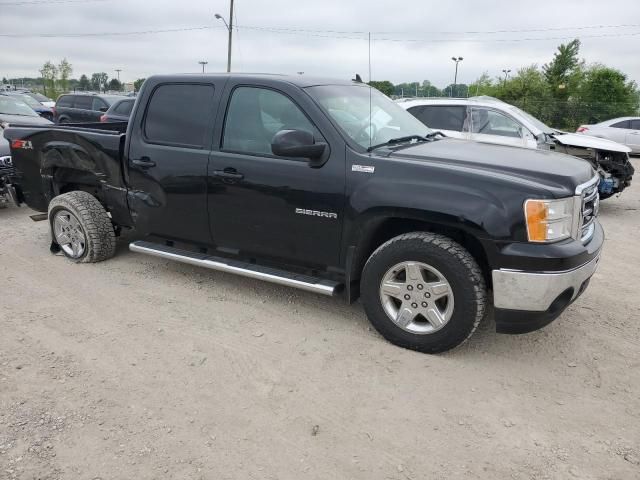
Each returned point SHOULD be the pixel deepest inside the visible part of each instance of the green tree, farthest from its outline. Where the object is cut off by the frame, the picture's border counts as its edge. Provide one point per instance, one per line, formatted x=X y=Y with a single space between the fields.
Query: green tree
x=529 y=90
x=65 y=69
x=563 y=74
x=428 y=90
x=385 y=86
x=49 y=73
x=460 y=90
x=99 y=81
x=484 y=85
x=114 y=84
x=84 y=83
x=138 y=84
x=605 y=93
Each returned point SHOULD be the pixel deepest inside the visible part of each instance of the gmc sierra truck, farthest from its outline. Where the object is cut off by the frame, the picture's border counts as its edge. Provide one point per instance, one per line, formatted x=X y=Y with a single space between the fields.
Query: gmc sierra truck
x=327 y=186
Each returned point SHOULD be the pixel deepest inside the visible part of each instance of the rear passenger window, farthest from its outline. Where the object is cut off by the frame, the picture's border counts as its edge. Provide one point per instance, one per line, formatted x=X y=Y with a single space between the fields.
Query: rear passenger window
x=179 y=115
x=623 y=124
x=66 y=101
x=124 y=108
x=83 y=102
x=99 y=105
x=441 y=117
x=635 y=124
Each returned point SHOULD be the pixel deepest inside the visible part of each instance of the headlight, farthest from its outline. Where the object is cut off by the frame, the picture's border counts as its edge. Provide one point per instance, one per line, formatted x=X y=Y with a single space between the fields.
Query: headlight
x=549 y=220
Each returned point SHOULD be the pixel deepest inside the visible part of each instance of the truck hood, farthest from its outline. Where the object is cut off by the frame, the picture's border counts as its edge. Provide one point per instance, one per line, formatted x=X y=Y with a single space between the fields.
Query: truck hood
x=558 y=173
x=586 y=141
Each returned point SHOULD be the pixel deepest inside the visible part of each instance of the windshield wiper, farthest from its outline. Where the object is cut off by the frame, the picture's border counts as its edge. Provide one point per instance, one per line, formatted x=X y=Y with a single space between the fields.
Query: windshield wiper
x=409 y=138
x=395 y=141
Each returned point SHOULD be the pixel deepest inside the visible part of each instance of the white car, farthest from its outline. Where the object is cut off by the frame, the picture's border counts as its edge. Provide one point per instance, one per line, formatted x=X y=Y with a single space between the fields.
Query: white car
x=624 y=130
x=489 y=120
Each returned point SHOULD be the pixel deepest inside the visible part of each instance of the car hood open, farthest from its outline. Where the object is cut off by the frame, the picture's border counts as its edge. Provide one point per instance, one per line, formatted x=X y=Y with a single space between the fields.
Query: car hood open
x=586 y=141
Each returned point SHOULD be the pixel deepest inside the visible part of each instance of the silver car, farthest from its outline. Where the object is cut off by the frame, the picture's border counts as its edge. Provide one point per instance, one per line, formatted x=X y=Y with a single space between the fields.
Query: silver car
x=624 y=130
x=489 y=120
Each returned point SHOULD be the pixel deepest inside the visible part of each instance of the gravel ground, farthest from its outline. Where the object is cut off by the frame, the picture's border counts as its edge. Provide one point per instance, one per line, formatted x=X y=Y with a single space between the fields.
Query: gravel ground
x=142 y=368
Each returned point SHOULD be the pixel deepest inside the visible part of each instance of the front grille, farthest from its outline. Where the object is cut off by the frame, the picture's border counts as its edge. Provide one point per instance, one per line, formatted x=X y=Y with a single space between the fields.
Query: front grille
x=589 y=212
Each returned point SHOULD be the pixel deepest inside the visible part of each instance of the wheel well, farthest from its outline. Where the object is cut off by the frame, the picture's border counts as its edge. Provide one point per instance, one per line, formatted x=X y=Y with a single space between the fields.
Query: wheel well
x=392 y=227
x=68 y=180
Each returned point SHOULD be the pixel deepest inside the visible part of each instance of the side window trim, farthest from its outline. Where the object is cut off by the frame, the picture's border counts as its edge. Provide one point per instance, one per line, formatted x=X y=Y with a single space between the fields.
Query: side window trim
x=623 y=125
x=143 y=122
x=258 y=154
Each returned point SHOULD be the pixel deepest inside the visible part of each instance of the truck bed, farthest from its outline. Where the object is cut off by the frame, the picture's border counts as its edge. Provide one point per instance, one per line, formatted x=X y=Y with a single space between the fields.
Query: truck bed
x=51 y=159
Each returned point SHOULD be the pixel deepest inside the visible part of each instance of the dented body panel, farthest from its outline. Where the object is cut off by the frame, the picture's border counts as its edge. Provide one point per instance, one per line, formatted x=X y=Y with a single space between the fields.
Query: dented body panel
x=67 y=157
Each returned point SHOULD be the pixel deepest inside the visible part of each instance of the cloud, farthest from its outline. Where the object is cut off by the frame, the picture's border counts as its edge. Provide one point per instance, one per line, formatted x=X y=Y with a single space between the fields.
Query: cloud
x=316 y=51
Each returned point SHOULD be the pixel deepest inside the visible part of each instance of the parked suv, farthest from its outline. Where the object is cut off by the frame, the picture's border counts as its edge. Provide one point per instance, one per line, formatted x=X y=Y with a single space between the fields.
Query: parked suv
x=489 y=120
x=82 y=107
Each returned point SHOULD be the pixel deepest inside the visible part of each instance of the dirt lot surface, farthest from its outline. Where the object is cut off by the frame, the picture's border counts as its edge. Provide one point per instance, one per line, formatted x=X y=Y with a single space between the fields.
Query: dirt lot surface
x=139 y=368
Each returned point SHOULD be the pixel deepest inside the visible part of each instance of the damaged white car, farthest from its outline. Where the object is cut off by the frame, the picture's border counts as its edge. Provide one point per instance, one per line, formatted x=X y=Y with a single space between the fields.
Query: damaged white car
x=487 y=119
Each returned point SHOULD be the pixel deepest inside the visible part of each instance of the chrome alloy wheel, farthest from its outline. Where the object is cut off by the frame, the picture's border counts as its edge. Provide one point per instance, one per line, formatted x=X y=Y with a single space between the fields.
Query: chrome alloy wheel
x=416 y=297
x=69 y=234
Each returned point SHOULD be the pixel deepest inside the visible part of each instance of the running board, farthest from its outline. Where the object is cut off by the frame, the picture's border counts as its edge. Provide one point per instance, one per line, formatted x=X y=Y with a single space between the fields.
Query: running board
x=281 y=277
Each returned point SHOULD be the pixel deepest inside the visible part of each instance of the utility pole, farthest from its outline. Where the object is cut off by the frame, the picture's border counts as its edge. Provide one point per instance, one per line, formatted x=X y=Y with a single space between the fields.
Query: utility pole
x=230 y=30
x=203 y=63
x=455 y=79
x=506 y=75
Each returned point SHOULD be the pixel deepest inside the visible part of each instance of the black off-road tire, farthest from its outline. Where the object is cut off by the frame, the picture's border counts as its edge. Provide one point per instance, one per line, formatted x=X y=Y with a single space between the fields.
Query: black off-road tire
x=458 y=267
x=94 y=220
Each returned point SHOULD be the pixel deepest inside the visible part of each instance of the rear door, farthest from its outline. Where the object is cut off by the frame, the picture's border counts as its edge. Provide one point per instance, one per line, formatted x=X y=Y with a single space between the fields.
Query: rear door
x=168 y=151
x=263 y=205
x=617 y=132
x=633 y=136
x=449 y=119
x=491 y=126
x=98 y=108
x=82 y=106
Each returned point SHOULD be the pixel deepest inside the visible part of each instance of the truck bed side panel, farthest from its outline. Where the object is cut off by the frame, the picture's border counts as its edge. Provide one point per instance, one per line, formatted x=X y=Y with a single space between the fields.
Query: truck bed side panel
x=53 y=160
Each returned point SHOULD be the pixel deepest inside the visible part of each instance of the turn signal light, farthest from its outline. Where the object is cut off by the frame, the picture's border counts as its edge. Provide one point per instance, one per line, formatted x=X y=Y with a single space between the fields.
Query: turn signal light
x=548 y=220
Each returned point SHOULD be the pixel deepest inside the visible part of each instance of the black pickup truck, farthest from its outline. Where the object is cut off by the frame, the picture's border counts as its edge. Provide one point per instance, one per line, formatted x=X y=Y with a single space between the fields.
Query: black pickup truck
x=327 y=186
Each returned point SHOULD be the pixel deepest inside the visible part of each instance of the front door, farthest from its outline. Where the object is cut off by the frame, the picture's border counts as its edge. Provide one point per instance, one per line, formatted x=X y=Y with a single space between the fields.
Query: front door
x=167 y=159
x=267 y=206
x=491 y=126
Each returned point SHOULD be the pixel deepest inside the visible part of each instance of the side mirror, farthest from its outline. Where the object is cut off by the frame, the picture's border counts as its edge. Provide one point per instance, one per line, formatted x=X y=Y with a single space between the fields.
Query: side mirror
x=298 y=144
x=103 y=109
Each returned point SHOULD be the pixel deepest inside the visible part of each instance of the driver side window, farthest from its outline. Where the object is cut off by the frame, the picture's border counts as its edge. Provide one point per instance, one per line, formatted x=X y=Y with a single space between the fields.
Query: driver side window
x=255 y=115
x=490 y=122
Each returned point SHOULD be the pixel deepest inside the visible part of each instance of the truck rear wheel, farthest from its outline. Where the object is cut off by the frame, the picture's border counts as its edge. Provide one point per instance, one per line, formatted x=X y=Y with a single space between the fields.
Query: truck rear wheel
x=81 y=227
x=423 y=291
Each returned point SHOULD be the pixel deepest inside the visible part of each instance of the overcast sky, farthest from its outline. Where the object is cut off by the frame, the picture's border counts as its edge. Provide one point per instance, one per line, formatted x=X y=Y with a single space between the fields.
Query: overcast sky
x=315 y=50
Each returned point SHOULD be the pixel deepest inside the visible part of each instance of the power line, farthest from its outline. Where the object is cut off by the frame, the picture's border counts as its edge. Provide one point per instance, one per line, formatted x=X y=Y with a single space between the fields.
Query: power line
x=47 y=2
x=102 y=34
x=338 y=35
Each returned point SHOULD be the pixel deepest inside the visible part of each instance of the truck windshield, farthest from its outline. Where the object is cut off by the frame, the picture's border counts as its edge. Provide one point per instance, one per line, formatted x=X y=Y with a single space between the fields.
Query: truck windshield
x=13 y=106
x=367 y=116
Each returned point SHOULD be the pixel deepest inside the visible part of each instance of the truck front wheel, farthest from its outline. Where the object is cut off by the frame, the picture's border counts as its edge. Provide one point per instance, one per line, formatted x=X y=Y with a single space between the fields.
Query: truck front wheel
x=423 y=291
x=81 y=227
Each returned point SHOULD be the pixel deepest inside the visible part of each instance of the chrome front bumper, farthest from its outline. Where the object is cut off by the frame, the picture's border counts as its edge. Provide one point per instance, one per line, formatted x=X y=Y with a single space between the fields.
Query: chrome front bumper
x=536 y=291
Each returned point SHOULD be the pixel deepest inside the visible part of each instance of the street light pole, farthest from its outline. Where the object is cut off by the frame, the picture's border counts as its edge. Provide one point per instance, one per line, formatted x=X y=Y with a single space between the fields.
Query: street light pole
x=203 y=63
x=455 y=78
x=118 y=70
x=506 y=75
x=230 y=30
